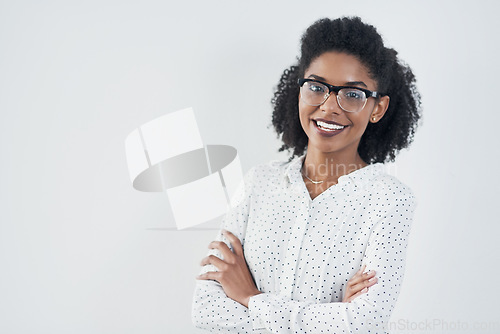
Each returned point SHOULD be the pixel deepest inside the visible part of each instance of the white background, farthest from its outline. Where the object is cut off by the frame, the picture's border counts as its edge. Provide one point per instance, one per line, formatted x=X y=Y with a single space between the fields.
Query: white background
x=82 y=252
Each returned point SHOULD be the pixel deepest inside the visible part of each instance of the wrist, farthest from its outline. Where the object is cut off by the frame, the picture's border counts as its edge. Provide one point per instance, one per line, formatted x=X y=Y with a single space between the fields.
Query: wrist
x=246 y=300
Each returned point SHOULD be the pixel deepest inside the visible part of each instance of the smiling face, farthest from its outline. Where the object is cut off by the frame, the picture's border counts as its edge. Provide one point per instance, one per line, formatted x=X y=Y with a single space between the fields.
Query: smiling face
x=339 y=69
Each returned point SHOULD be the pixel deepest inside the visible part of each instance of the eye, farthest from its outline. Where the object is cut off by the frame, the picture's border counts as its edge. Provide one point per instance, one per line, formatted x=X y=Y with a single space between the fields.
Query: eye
x=353 y=94
x=317 y=88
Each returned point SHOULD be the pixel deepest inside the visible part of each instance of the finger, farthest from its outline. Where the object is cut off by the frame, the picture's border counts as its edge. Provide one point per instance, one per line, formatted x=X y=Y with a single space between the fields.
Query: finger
x=211 y=275
x=365 y=290
x=223 y=248
x=213 y=260
x=364 y=284
x=362 y=269
x=369 y=273
x=358 y=277
x=235 y=242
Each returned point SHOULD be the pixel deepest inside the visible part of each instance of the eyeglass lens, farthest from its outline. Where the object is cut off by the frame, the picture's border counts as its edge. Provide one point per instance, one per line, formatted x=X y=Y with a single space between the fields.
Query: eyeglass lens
x=349 y=99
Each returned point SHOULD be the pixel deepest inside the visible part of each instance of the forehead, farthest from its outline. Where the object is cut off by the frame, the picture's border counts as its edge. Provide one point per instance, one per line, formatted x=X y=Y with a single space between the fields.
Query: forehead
x=338 y=68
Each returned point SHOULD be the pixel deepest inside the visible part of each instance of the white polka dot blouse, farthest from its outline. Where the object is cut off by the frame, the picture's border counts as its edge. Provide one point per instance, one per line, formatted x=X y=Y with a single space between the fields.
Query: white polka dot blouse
x=302 y=252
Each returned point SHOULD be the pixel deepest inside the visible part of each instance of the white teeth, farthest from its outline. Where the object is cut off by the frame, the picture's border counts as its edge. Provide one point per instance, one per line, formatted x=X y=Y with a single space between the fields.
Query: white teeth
x=328 y=126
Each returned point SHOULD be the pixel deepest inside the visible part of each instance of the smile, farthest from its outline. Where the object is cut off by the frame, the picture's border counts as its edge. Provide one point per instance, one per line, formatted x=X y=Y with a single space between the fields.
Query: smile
x=328 y=126
x=328 y=129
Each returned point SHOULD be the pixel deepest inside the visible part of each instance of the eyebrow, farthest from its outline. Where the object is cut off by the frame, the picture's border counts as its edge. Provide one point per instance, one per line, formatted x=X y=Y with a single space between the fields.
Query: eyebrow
x=350 y=83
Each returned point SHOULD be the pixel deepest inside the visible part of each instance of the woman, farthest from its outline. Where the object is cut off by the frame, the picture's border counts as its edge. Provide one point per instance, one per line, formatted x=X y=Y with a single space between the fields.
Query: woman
x=300 y=233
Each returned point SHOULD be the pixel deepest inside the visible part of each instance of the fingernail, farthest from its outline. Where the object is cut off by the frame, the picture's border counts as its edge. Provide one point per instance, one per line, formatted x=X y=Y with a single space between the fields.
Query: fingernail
x=372 y=279
x=364 y=290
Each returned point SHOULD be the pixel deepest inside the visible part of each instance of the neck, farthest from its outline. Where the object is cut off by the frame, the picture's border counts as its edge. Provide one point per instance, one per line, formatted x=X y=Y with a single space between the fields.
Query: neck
x=330 y=166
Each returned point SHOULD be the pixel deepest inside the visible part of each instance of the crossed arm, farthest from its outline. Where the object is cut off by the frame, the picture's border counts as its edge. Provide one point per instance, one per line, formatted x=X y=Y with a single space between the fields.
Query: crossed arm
x=237 y=282
x=222 y=297
x=227 y=300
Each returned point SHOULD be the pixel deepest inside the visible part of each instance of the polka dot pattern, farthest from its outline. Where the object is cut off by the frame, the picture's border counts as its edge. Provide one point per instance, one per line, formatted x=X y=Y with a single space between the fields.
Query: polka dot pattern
x=302 y=252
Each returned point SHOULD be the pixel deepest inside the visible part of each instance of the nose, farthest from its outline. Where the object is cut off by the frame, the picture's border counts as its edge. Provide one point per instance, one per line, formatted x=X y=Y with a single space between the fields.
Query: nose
x=331 y=104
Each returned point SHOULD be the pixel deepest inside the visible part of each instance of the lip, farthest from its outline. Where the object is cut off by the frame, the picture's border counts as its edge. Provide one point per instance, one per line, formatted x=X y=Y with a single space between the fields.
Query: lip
x=326 y=133
x=328 y=121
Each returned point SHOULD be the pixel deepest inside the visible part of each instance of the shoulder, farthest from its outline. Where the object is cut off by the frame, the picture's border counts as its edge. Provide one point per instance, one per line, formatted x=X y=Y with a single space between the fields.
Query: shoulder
x=387 y=188
x=268 y=177
x=392 y=205
x=273 y=166
x=269 y=170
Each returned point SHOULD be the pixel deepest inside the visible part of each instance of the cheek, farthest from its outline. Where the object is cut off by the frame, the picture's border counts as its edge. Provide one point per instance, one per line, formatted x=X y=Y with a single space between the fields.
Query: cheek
x=305 y=112
x=302 y=118
x=363 y=117
x=304 y=122
x=360 y=123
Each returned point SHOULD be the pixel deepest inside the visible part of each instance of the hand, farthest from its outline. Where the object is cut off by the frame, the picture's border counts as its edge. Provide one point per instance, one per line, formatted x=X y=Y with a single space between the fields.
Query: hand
x=359 y=284
x=233 y=274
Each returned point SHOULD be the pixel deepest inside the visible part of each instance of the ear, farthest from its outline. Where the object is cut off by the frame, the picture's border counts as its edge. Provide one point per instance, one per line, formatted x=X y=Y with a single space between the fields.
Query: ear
x=379 y=109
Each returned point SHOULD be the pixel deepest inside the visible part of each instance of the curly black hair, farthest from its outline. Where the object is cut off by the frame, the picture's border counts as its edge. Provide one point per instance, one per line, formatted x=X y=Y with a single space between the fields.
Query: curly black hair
x=381 y=141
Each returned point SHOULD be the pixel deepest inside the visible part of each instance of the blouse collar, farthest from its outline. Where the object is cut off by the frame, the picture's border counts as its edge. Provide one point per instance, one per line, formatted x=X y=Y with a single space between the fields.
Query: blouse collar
x=359 y=177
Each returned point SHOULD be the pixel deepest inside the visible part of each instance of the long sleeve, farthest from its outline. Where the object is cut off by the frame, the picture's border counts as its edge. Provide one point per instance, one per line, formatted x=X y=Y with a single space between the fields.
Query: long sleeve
x=212 y=309
x=369 y=313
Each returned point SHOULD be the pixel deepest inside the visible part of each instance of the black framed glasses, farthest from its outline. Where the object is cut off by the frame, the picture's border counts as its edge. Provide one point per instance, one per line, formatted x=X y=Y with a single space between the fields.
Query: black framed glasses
x=350 y=99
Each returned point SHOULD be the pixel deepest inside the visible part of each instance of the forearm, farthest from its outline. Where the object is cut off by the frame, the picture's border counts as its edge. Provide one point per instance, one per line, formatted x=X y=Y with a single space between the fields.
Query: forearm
x=278 y=315
x=223 y=289
x=369 y=313
x=213 y=310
